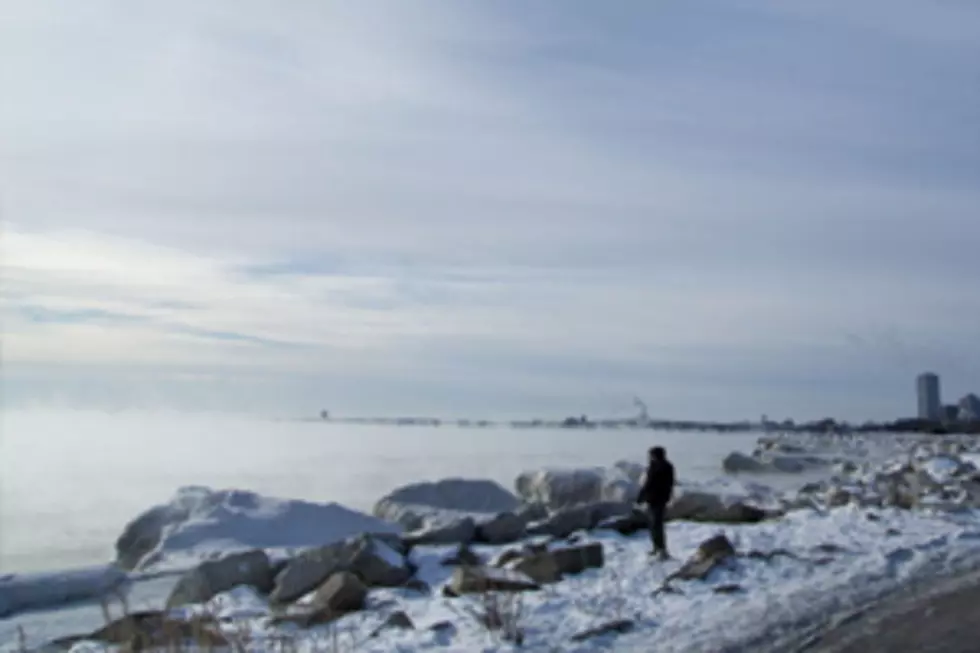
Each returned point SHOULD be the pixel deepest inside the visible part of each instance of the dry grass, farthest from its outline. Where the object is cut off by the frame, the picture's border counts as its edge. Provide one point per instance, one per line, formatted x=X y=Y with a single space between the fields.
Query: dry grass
x=502 y=614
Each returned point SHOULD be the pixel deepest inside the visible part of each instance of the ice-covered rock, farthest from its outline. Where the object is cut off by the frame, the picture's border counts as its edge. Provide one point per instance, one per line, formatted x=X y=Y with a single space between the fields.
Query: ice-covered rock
x=564 y=488
x=19 y=592
x=199 y=523
x=429 y=504
x=946 y=468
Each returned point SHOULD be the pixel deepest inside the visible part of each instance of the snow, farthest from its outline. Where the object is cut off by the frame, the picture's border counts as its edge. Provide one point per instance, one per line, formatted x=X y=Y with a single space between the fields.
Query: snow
x=199 y=523
x=863 y=559
x=19 y=592
x=941 y=468
x=839 y=559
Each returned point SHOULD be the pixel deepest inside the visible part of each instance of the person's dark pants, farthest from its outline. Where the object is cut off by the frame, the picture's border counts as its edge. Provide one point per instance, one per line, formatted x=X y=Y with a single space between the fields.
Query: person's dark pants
x=658 y=513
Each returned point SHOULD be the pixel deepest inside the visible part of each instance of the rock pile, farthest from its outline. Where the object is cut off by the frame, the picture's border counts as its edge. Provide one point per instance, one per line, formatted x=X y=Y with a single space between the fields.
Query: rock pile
x=930 y=476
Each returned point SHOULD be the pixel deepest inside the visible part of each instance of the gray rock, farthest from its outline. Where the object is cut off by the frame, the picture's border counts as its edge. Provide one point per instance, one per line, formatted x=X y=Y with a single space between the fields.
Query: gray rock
x=459 y=531
x=532 y=512
x=705 y=507
x=616 y=627
x=738 y=463
x=539 y=567
x=251 y=568
x=630 y=524
x=141 y=536
x=509 y=555
x=464 y=556
x=477 y=580
x=149 y=630
x=576 y=559
x=710 y=554
x=838 y=497
x=378 y=565
x=563 y=523
x=502 y=529
x=343 y=592
x=395 y=621
x=372 y=560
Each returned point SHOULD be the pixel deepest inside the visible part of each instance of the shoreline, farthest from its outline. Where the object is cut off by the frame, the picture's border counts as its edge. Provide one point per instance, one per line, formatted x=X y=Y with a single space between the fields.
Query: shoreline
x=918 y=616
x=799 y=578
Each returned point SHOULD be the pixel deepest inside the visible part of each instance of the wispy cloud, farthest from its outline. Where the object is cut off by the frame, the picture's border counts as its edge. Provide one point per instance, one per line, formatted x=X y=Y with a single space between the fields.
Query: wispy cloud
x=501 y=206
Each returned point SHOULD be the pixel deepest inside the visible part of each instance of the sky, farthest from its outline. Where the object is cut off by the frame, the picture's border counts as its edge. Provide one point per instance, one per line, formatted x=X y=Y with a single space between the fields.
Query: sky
x=490 y=208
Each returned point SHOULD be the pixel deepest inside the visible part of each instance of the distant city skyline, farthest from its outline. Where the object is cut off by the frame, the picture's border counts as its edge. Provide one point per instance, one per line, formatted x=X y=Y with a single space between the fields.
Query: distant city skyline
x=499 y=208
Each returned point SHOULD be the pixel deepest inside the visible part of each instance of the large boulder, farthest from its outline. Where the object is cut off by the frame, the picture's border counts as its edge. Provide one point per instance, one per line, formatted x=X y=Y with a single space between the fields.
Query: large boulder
x=578 y=518
x=576 y=559
x=250 y=568
x=370 y=559
x=711 y=553
x=559 y=488
x=199 y=523
x=706 y=507
x=478 y=580
x=458 y=531
x=342 y=593
x=426 y=504
x=539 y=567
x=502 y=529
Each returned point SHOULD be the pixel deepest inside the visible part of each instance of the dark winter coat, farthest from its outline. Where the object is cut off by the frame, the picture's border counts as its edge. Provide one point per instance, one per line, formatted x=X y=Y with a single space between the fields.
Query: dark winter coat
x=658 y=488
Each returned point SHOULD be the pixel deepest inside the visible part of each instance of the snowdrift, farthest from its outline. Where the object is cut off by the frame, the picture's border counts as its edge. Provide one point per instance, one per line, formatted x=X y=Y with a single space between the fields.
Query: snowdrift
x=199 y=523
x=20 y=592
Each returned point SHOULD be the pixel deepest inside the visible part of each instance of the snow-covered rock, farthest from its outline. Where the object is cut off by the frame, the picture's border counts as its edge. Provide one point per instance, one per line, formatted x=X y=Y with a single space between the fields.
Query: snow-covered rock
x=458 y=531
x=566 y=521
x=199 y=523
x=945 y=468
x=564 y=488
x=693 y=505
x=20 y=592
x=737 y=462
x=429 y=504
x=201 y=584
x=374 y=562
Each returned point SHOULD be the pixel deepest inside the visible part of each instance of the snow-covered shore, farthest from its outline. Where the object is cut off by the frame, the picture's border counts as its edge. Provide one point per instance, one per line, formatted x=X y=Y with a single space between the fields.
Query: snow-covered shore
x=860 y=533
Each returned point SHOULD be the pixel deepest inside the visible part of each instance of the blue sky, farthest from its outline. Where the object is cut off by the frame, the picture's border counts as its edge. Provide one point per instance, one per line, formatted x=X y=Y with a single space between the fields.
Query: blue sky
x=490 y=208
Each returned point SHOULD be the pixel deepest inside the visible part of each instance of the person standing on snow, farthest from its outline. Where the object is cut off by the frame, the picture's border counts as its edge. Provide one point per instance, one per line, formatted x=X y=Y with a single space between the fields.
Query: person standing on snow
x=656 y=493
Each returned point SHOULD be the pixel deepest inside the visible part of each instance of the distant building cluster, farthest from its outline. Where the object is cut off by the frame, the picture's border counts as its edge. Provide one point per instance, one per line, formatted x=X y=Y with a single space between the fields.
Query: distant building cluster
x=931 y=406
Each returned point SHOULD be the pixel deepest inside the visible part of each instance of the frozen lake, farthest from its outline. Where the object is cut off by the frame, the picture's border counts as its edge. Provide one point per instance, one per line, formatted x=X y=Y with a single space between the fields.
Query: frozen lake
x=70 y=481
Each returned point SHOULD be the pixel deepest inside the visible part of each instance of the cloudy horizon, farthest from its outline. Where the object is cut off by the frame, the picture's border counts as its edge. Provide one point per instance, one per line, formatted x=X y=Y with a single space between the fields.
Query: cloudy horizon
x=490 y=208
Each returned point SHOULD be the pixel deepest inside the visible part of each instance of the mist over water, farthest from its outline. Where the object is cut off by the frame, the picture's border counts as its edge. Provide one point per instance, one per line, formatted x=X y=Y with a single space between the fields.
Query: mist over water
x=69 y=481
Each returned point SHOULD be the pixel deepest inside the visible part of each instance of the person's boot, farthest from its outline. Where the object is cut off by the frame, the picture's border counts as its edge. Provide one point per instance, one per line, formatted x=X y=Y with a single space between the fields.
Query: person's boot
x=662 y=555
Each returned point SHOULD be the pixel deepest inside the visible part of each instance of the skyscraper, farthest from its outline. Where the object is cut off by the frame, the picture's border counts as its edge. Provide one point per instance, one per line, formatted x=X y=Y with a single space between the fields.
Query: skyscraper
x=927 y=388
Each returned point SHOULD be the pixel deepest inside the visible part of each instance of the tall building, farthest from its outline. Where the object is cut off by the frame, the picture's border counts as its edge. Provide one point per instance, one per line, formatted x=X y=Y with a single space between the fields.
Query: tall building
x=930 y=406
x=970 y=408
